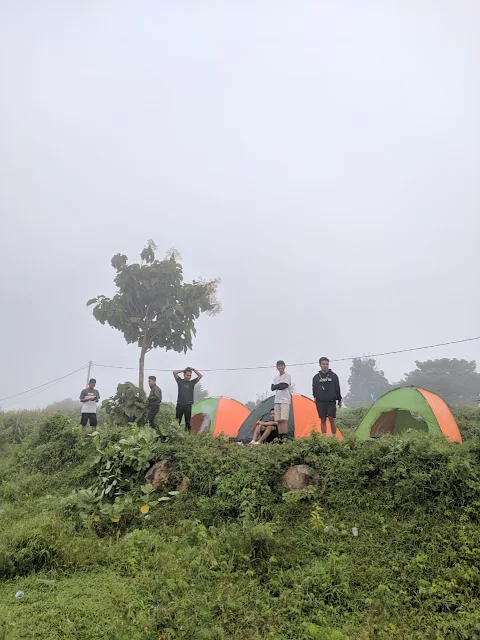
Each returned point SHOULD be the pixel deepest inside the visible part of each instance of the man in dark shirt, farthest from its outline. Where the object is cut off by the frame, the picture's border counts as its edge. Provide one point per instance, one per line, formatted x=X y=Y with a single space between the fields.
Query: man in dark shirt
x=186 y=387
x=154 y=400
x=326 y=391
x=266 y=429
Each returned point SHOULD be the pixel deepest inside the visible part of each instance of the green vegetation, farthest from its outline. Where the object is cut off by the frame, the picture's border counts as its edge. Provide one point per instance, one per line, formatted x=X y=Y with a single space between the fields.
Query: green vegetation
x=154 y=307
x=236 y=555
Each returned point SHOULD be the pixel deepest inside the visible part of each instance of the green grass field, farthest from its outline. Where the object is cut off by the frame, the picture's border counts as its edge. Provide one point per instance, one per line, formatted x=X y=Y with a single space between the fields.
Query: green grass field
x=236 y=556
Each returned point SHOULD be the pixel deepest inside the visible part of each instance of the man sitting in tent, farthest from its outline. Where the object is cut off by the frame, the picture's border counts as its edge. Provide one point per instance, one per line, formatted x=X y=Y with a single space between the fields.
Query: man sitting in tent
x=266 y=428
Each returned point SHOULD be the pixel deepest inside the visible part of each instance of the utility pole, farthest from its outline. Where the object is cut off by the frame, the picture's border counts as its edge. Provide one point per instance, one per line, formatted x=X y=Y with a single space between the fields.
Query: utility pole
x=89 y=371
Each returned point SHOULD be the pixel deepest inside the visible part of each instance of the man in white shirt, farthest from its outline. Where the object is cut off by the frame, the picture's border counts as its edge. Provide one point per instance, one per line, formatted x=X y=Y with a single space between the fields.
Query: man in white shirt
x=283 y=398
x=89 y=398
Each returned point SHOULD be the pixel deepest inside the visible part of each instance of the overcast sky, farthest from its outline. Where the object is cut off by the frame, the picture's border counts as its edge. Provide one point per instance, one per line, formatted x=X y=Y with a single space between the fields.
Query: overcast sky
x=322 y=158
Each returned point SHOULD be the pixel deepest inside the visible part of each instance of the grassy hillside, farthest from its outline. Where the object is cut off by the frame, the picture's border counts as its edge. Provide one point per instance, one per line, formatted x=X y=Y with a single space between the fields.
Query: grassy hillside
x=236 y=556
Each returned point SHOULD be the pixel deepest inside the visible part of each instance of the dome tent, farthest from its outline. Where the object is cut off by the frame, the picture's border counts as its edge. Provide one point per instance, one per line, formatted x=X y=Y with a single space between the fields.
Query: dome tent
x=408 y=408
x=217 y=416
x=303 y=419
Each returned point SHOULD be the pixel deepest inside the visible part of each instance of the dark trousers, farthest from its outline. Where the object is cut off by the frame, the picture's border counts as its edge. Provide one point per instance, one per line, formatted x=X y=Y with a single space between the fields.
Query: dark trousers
x=153 y=409
x=184 y=410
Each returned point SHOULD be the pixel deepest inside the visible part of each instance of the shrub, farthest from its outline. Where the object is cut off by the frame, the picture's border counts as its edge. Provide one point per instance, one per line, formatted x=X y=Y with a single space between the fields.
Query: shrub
x=17 y=425
x=33 y=544
x=123 y=455
x=468 y=420
x=58 y=442
x=128 y=405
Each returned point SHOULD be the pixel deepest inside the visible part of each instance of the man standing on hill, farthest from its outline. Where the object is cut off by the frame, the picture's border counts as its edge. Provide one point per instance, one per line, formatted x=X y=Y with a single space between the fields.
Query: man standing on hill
x=186 y=388
x=89 y=398
x=326 y=391
x=154 y=400
x=283 y=398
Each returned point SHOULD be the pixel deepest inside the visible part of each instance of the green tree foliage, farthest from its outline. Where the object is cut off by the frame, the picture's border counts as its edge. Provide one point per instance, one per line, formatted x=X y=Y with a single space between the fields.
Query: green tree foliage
x=456 y=381
x=64 y=406
x=127 y=406
x=154 y=307
x=366 y=382
x=200 y=393
x=261 y=397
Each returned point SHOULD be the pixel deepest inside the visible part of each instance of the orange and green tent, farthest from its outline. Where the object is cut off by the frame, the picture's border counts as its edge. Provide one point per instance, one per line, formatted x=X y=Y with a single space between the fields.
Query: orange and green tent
x=218 y=416
x=408 y=408
x=302 y=421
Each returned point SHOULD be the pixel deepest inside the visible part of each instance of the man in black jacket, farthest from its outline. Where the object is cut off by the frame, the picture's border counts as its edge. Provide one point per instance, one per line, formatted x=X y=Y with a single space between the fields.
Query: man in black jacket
x=326 y=391
x=153 y=401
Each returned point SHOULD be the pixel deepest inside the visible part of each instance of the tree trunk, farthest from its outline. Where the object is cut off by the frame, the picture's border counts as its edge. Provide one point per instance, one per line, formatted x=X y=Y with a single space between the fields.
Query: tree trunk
x=141 y=368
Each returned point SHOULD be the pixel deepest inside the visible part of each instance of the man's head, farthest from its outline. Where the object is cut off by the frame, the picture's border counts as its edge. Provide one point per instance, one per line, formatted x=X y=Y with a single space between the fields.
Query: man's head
x=324 y=364
x=152 y=381
x=281 y=367
x=91 y=384
x=272 y=415
x=187 y=374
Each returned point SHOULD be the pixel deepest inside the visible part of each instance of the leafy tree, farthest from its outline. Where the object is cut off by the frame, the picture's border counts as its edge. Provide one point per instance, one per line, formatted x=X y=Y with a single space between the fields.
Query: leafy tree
x=66 y=405
x=153 y=306
x=199 y=393
x=456 y=381
x=261 y=397
x=366 y=382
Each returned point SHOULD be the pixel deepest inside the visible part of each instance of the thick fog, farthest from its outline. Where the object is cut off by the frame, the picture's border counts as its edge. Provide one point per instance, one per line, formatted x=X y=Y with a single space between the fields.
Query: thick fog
x=321 y=158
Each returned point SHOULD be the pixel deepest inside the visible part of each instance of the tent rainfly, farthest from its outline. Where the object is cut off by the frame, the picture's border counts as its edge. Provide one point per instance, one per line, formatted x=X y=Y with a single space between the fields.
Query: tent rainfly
x=408 y=408
x=218 y=416
x=302 y=421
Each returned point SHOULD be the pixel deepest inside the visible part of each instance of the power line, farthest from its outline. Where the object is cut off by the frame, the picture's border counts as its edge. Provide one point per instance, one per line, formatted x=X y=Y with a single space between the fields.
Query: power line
x=24 y=398
x=304 y=364
x=45 y=384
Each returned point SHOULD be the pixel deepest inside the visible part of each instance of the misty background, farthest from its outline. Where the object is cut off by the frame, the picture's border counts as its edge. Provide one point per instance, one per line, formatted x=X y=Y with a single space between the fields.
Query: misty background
x=321 y=158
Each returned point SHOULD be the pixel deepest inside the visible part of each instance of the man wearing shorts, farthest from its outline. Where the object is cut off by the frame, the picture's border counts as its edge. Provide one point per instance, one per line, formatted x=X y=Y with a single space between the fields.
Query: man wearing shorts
x=186 y=388
x=266 y=429
x=283 y=398
x=326 y=391
x=89 y=398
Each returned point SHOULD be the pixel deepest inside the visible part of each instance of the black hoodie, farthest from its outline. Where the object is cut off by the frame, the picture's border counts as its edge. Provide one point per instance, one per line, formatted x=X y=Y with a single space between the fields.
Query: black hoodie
x=326 y=387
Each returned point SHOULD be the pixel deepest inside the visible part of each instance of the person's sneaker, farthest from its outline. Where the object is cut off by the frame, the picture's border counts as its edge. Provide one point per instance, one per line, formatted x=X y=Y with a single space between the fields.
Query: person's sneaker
x=334 y=435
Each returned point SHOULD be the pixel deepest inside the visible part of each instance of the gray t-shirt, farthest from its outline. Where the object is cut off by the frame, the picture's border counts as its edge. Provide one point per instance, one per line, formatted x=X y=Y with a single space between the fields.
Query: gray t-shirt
x=91 y=405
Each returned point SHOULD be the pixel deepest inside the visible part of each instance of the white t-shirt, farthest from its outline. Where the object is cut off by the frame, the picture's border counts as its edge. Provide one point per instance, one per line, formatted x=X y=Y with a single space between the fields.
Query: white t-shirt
x=285 y=395
x=91 y=405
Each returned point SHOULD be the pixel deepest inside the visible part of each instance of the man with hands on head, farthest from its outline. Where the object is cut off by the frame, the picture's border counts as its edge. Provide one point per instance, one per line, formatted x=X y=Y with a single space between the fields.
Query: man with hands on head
x=186 y=387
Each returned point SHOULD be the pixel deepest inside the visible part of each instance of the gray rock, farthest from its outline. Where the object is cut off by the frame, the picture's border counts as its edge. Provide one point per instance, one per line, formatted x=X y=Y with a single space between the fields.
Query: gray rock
x=299 y=477
x=158 y=475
